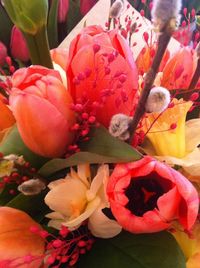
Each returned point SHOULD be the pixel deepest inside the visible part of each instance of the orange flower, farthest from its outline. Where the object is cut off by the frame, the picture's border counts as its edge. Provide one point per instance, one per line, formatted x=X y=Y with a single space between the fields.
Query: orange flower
x=41 y=106
x=6 y=118
x=179 y=69
x=16 y=239
x=144 y=59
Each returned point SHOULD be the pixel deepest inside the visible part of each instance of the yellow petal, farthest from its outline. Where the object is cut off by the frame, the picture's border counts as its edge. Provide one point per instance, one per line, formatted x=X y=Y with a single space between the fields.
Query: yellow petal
x=68 y=198
x=165 y=140
x=55 y=216
x=192 y=134
x=91 y=207
x=84 y=174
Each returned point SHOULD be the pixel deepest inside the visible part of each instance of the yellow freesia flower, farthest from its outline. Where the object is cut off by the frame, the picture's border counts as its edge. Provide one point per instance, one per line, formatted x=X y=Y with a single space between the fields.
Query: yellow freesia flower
x=178 y=145
x=77 y=197
x=190 y=246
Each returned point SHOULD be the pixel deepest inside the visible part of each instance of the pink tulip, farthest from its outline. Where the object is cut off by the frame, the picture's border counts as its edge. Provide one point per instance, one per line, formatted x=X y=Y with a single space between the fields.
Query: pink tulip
x=101 y=71
x=42 y=109
x=18 y=47
x=63 y=8
x=147 y=196
x=86 y=5
x=3 y=53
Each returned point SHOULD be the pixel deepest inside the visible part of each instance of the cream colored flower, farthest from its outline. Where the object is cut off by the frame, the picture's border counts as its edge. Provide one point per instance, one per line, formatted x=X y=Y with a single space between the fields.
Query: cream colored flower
x=178 y=146
x=77 y=198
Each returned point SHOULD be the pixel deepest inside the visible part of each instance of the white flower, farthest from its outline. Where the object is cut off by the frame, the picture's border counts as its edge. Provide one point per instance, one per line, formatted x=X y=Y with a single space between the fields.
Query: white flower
x=76 y=198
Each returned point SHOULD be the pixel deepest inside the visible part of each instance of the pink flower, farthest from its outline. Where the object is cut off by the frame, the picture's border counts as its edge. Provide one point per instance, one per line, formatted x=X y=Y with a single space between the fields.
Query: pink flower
x=3 y=53
x=86 y=5
x=102 y=74
x=63 y=8
x=42 y=109
x=147 y=196
x=18 y=47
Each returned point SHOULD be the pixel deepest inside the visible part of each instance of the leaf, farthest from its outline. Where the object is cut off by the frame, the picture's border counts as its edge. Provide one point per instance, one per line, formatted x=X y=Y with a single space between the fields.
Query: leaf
x=73 y=16
x=13 y=144
x=101 y=148
x=135 y=251
x=52 y=24
x=5 y=196
x=33 y=205
x=5 y=27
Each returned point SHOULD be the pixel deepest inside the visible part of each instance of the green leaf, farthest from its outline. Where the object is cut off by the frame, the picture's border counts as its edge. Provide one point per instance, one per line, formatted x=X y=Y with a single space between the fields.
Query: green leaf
x=33 y=205
x=5 y=196
x=135 y=251
x=13 y=144
x=101 y=148
x=52 y=24
x=5 y=27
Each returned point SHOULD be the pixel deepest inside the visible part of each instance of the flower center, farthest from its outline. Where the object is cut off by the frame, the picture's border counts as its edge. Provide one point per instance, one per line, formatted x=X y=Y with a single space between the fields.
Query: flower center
x=144 y=192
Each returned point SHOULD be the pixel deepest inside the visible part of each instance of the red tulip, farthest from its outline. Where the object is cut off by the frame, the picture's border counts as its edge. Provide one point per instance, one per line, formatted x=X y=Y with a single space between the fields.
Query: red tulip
x=147 y=196
x=18 y=47
x=63 y=8
x=3 y=53
x=17 y=241
x=86 y=5
x=41 y=106
x=179 y=70
x=101 y=73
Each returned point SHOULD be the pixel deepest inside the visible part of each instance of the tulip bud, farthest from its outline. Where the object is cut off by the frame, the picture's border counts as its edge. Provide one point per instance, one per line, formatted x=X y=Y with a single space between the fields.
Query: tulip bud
x=86 y=5
x=26 y=15
x=166 y=12
x=63 y=10
x=119 y=126
x=18 y=40
x=158 y=100
x=3 y=53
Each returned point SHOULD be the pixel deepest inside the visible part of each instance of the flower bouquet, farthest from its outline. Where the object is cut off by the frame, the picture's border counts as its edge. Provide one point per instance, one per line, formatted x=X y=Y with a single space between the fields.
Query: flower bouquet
x=100 y=158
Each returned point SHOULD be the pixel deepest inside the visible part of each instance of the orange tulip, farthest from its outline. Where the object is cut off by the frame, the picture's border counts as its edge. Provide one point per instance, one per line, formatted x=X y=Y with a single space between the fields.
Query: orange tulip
x=16 y=239
x=179 y=69
x=145 y=58
x=6 y=118
x=42 y=109
x=59 y=56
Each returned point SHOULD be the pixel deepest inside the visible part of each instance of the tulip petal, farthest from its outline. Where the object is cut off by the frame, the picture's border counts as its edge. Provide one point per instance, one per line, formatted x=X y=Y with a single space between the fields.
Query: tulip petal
x=51 y=127
x=192 y=134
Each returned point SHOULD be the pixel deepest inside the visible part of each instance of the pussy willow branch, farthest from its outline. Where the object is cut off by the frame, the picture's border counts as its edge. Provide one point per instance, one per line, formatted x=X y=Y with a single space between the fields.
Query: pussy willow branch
x=163 y=42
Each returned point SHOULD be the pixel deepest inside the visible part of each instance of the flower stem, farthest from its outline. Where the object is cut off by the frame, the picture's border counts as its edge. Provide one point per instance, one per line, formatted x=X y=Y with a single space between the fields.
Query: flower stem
x=39 y=48
x=163 y=42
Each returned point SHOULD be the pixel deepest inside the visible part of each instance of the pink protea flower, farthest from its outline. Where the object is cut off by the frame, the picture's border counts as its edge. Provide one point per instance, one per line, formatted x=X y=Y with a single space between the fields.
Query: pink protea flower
x=101 y=73
x=42 y=108
x=18 y=47
x=147 y=196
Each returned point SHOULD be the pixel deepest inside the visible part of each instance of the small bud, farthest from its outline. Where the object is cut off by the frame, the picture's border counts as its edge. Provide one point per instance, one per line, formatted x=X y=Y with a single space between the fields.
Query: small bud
x=166 y=13
x=116 y=9
x=158 y=100
x=119 y=126
x=32 y=187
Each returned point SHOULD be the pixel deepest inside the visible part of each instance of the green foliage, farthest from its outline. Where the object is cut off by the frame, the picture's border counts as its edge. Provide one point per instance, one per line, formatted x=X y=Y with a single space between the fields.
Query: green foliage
x=101 y=148
x=13 y=144
x=52 y=24
x=135 y=251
